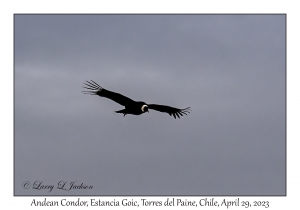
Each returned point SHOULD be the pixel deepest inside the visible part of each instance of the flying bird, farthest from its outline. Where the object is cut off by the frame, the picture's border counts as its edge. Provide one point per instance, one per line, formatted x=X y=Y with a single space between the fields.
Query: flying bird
x=131 y=106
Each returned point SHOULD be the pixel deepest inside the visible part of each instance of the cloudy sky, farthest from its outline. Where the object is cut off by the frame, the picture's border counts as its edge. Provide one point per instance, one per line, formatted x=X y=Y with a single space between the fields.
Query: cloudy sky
x=230 y=69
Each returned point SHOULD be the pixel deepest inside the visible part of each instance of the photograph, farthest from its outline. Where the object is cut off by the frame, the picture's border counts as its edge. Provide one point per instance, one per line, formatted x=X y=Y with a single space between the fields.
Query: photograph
x=149 y=105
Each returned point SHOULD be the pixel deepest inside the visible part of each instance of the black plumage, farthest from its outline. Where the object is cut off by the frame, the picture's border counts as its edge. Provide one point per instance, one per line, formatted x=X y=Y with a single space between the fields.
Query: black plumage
x=131 y=106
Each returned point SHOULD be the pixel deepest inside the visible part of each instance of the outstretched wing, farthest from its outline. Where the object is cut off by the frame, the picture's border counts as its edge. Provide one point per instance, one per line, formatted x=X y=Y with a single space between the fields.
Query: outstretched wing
x=95 y=89
x=170 y=110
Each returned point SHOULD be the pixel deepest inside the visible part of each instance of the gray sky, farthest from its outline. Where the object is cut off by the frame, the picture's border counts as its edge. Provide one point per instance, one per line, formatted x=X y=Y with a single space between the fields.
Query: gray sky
x=230 y=69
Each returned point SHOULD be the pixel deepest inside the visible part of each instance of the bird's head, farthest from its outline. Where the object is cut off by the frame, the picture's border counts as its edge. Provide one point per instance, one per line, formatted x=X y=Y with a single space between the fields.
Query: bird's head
x=145 y=108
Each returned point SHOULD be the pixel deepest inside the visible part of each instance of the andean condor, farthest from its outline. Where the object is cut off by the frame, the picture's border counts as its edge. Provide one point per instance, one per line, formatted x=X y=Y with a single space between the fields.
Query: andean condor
x=131 y=106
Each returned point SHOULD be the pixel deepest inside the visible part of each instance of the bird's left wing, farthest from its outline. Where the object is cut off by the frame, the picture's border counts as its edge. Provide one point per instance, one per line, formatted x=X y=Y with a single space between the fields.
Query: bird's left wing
x=170 y=110
x=95 y=89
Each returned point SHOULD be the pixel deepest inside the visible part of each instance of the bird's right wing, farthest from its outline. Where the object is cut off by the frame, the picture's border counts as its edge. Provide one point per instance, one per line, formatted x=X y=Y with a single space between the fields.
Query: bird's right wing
x=175 y=112
x=95 y=89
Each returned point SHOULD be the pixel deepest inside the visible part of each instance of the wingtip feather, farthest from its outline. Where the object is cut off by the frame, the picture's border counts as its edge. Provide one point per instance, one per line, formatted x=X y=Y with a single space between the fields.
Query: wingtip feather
x=93 y=87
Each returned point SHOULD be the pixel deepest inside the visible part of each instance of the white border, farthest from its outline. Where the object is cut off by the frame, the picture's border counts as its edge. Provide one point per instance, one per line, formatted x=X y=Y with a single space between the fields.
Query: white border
x=8 y=8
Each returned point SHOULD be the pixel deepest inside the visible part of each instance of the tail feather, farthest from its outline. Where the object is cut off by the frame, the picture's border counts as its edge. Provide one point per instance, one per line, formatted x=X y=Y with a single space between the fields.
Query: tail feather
x=123 y=111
